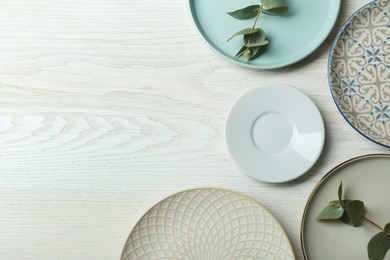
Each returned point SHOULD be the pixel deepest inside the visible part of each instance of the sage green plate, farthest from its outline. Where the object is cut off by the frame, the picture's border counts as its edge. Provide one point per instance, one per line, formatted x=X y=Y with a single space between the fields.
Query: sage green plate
x=292 y=37
x=364 y=178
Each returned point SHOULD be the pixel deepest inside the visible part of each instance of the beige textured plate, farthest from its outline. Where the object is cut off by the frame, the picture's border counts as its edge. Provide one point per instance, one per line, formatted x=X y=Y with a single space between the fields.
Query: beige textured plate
x=208 y=224
x=364 y=178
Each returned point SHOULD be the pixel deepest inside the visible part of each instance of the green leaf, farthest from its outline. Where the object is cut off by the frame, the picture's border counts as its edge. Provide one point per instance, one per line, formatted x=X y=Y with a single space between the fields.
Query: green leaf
x=257 y=44
x=340 y=193
x=355 y=210
x=246 y=54
x=254 y=52
x=241 y=51
x=337 y=202
x=258 y=36
x=272 y=3
x=387 y=228
x=345 y=217
x=332 y=211
x=244 y=32
x=249 y=53
x=255 y=41
x=378 y=246
x=281 y=10
x=245 y=13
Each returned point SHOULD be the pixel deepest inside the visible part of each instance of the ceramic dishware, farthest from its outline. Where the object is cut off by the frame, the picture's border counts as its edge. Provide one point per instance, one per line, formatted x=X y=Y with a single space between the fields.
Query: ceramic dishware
x=359 y=71
x=292 y=36
x=275 y=133
x=208 y=223
x=364 y=178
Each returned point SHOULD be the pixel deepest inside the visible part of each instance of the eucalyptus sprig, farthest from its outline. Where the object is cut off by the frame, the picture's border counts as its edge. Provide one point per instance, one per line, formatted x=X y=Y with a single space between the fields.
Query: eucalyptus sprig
x=254 y=38
x=351 y=212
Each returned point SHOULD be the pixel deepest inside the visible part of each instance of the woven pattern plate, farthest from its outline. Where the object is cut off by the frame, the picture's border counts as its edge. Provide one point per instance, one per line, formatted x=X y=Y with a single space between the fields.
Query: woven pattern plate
x=359 y=71
x=208 y=224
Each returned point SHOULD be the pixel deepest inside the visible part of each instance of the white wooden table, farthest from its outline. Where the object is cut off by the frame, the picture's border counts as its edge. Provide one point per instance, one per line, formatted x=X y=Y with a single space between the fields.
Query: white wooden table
x=106 y=107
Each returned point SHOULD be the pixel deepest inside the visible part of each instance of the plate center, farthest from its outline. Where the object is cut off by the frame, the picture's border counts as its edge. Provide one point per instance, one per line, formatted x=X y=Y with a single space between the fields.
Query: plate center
x=273 y=133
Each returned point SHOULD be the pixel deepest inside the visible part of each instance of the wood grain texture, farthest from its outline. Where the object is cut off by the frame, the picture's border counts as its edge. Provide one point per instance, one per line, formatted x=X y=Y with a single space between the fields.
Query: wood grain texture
x=106 y=107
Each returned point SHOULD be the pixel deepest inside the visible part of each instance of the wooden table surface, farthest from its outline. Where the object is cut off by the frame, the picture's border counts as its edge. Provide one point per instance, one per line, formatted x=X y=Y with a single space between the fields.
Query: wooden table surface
x=106 y=107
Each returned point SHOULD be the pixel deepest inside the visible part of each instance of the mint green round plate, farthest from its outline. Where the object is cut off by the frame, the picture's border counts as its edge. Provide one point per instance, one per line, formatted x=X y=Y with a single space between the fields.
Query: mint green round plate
x=292 y=36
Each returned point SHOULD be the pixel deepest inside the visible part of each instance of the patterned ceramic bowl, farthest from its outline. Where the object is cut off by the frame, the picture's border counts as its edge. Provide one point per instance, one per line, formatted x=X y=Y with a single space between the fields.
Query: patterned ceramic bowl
x=359 y=74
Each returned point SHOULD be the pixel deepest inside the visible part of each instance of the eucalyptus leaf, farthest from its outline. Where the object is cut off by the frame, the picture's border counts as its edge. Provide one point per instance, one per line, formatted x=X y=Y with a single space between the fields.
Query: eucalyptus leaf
x=355 y=210
x=332 y=211
x=387 y=228
x=378 y=246
x=241 y=51
x=281 y=10
x=246 y=13
x=254 y=52
x=250 y=53
x=261 y=50
x=244 y=32
x=340 y=193
x=346 y=219
x=351 y=212
x=256 y=37
x=272 y=3
x=257 y=44
x=246 y=54
x=337 y=203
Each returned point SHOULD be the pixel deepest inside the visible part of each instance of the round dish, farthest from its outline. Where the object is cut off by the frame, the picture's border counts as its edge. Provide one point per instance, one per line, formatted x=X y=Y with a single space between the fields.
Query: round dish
x=358 y=70
x=208 y=224
x=292 y=37
x=364 y=178
x=275 y=133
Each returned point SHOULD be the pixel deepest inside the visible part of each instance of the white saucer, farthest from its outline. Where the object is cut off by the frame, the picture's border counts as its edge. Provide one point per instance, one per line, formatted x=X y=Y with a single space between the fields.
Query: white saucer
x=275 y=133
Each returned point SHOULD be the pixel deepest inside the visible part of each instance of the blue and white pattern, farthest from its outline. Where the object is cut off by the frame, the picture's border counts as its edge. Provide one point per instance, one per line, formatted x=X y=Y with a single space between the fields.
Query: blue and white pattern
x=359 y=71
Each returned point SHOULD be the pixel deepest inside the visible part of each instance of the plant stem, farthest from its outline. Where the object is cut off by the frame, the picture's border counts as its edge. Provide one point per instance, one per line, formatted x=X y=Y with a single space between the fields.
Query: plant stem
x=257 y=16
x=373 y=223
x=254 y=24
